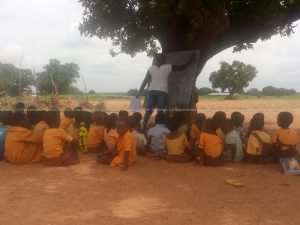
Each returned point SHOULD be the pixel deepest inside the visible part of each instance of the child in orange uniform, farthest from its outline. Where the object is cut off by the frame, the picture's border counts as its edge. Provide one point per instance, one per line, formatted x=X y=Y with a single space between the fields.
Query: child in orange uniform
x=21 y=146
x=285 y=139
x=59 y=147
x=211 y=146
x=95 y=140
x=68 y=120
x=126 y=147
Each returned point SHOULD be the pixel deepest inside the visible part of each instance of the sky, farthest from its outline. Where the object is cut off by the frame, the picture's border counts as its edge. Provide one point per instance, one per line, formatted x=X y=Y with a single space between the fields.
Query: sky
x=34 y=31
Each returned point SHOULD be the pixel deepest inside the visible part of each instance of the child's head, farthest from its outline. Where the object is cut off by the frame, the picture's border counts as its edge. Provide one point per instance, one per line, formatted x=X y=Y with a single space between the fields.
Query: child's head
x=111 y=121
x=69 y=113
x=20 y=107
x=122 y=126
x=78 y=114
x=32 y=115
x=137 y=116
x=257 y=122
x=6 y=117
x=218 y=119
x=123 y=115
x=285 y=119
x=237 y=119
x=160 y=118
x=228 y=126
x=210 y=127
x=53 y=118
x=200 y=120
x=98 y=118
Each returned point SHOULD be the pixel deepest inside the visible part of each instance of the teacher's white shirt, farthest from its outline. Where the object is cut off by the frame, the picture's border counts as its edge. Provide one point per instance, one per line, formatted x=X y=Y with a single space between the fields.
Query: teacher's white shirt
x=159 y=77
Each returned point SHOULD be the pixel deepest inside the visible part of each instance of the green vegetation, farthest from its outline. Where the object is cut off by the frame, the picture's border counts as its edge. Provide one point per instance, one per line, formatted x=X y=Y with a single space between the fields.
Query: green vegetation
x=233 y=78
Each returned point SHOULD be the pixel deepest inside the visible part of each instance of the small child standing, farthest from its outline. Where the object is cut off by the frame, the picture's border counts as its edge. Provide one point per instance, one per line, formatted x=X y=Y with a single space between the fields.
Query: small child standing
x=156 y=136
x=211 y=146
x=95 y=139
x=285 y=139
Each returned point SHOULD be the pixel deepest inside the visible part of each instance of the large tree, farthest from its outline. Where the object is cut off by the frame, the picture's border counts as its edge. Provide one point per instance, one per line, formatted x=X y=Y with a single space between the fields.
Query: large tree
x=233 y=78
x=14 y=81
x=179 y=25
x=57 y=78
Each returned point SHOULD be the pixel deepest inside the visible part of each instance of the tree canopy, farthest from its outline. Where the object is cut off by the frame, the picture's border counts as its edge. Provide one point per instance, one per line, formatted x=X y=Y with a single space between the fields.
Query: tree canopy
x=58 y=77
x=14 y=81
x=233 y=78
x=175 y=25
x=274 y=91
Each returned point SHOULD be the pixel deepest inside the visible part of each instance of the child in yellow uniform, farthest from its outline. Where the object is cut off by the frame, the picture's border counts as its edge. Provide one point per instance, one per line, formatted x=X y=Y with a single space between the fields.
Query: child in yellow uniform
x=259 y=144
x=21 y=146
x=211 y=146
x=59 y=149
x=285 y=139
x=126 y=147
x=95 y=139
x=177 y=145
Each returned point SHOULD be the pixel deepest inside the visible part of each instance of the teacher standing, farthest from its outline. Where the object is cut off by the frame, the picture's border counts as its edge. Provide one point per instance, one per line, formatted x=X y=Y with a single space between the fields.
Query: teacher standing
x=157 y=79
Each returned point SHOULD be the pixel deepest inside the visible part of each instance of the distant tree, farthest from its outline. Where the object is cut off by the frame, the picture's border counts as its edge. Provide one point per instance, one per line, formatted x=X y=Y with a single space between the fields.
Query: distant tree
x=14 y=81
x=92 y=92
x=57 y=77
x=233 y=78
x=253 y=92
x=274 y=91
x=133 y=92
x=205 y=91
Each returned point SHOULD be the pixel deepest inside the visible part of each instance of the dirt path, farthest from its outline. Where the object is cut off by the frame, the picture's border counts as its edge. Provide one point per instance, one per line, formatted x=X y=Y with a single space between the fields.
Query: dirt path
x=152 y=192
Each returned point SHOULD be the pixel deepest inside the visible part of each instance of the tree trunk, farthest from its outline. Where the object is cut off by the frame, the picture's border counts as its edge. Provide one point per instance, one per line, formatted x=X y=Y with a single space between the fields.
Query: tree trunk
x=182 y=84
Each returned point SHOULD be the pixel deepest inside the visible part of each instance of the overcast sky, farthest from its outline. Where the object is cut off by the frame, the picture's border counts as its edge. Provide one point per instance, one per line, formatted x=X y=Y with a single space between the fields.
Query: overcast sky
x=34 y=31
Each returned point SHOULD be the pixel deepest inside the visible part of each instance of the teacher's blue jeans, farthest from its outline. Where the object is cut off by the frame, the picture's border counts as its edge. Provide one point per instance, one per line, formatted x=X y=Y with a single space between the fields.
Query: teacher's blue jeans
x=156 y=99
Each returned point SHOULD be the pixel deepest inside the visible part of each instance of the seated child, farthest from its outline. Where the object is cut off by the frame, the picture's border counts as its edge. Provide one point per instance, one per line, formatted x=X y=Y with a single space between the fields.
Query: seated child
x=196 y=129
x=233 y=149
x=32 y=115
x=111 y=135
x=125 y=154
x=176 y=145
x=21 y=146
x=59 y=148
x=95 y=139
x=286 y=139
x=68 y=119
x=259 y=145
x=40 y=127
x=123 y=115
x=135 y=126
x=5 y=119
x=210 y=146
x=238 y=119
x=218 y=121
x=156 y=136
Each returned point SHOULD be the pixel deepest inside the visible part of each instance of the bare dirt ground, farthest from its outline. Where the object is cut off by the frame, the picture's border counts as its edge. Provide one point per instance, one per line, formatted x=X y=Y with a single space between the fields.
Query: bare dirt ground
x=151 y=192
x=154 y=192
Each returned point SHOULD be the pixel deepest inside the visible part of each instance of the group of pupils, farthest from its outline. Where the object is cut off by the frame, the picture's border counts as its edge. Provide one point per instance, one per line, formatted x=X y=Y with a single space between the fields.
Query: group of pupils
x=28 y=135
